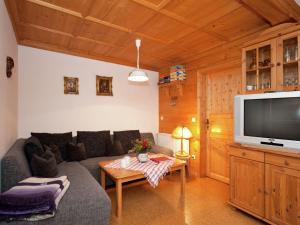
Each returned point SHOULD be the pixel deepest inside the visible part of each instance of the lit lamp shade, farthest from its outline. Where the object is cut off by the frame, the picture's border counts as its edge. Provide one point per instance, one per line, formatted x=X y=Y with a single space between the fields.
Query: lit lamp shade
x=138 y=76
x=182 y=132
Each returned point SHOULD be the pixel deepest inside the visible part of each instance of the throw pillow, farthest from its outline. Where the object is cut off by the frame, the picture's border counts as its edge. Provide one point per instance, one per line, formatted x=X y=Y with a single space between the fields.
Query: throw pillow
x=32 y=146
x=76 y=152
x=55 y=150
x=59 y=139
x=95 y=142
x=127 y=138
x=115 y=149
x=45 y=165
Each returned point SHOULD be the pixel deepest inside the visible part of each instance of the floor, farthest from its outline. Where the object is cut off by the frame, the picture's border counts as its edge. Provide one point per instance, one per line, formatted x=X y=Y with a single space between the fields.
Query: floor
x=205 y=204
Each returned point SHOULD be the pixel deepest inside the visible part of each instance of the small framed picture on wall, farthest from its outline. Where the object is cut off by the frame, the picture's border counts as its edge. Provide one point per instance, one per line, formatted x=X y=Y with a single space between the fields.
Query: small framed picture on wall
x=71 y=85
x=104 y=86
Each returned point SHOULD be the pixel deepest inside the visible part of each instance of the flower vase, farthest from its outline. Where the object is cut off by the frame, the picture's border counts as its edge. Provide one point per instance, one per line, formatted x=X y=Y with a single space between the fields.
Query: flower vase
x=142 y=157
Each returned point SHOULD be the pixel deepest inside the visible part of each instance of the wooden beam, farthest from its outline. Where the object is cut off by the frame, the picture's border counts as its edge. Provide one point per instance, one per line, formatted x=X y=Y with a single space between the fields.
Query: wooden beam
x=267 y=11
x=56 y=7
x=162 y=4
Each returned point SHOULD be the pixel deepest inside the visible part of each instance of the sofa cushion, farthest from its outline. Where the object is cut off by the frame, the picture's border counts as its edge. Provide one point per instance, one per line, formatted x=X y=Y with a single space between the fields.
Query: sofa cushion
x=32 y=146
x=44 y=165
x=76 y=152
x=127 y=138
x=59 y=139
x=115 y=149
x=55 y=150
x=95 y=142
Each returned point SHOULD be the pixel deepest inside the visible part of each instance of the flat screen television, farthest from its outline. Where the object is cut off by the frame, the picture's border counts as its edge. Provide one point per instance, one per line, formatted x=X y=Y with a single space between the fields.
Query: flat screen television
x=268 y=119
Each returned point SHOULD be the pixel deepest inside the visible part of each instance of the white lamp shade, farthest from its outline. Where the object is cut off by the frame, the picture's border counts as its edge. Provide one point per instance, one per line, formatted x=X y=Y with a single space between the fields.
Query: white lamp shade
x=182 y=132
x=138 y=75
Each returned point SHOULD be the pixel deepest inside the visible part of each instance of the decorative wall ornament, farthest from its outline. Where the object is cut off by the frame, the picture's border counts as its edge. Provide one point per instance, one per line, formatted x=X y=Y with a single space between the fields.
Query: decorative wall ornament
x=104 y=86
x=9 y=66
x=71 y=85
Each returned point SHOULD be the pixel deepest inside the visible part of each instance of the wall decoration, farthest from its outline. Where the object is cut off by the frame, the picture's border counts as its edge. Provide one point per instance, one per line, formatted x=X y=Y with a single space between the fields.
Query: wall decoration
x=71 y=85
x=104 y=86
x=9 y=66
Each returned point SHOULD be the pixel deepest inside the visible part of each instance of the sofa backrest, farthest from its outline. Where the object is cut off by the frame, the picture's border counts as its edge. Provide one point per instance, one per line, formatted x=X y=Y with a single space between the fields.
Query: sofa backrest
x=14 y=166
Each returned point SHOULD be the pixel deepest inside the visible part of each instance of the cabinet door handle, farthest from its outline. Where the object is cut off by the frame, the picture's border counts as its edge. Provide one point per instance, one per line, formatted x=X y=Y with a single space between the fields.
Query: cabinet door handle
x=278 y=64
x=243 y=153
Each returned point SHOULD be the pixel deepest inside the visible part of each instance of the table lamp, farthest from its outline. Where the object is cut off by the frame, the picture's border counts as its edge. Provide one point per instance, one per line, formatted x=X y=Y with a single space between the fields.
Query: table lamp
x=182 y=132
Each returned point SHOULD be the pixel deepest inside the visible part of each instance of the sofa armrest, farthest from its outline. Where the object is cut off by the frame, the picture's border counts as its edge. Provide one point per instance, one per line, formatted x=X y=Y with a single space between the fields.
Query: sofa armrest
x=162 y=150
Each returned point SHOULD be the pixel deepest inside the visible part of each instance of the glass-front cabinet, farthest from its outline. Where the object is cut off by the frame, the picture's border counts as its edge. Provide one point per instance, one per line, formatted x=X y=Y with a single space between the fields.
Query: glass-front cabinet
x=258 y=67
x=272 y=65
x=288 y=62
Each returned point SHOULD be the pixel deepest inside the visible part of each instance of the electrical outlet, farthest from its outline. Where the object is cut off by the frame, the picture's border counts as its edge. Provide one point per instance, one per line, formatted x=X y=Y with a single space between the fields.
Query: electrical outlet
x=193 y=157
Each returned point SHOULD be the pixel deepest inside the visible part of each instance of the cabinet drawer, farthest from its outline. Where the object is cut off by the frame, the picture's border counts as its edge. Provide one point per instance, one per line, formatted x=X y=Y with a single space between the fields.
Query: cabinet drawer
x=284 y=161
x=247 y=154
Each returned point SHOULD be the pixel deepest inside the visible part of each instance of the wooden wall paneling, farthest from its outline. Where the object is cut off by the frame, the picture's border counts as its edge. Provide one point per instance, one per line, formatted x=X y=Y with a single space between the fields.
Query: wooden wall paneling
x=182 y=114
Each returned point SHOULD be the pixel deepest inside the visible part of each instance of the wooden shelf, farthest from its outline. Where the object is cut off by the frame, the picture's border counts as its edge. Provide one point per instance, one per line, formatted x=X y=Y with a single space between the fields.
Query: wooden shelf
x=264 y=67
x=174 y=88
x=259 y=91
x=291 y=88
x=251 y=70
x=290 y=62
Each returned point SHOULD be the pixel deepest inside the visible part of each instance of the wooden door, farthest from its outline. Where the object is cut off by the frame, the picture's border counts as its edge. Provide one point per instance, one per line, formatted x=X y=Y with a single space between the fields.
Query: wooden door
x=221 y=88
x=282 y=195
x=247 y=184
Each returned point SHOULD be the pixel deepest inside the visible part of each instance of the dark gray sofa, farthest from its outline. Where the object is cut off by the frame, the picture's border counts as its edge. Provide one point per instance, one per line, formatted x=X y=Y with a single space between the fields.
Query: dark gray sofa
x=85 y=203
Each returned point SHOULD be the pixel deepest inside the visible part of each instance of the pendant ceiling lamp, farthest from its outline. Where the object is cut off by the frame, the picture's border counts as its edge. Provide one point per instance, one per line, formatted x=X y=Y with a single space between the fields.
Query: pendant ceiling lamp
x=138 y=75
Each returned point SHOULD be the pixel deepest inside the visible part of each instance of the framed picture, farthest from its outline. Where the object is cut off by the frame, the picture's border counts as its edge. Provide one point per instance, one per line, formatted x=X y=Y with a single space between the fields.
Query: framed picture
x=104 y=86
x=71 y=85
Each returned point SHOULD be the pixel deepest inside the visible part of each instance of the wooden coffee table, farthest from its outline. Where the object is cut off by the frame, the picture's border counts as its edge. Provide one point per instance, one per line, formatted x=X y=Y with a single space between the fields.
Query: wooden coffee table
x=121 y=176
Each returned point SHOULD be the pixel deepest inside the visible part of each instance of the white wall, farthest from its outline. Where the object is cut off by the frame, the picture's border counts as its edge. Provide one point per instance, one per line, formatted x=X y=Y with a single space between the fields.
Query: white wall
x=43 y=107
x=8 y=86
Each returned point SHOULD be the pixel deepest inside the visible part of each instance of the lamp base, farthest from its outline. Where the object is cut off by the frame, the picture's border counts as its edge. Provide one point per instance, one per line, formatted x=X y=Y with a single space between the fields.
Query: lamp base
x=181 y=154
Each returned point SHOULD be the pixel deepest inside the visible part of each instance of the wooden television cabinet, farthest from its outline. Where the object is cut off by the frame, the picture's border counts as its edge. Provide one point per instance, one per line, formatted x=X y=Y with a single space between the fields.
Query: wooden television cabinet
x=265 y=182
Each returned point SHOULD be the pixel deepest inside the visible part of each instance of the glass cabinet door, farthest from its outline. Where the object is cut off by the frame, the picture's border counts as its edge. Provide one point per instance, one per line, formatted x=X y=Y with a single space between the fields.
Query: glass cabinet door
x=264 y=67
x=251 y=70
x=259 y=70
x=288 y=62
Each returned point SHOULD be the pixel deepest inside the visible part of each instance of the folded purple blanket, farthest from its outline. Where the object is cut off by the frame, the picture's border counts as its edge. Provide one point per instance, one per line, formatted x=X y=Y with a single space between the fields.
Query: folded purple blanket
x=28 y=200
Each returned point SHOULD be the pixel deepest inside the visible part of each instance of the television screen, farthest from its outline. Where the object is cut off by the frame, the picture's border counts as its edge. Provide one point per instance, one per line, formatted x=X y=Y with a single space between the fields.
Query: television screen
x=277 y=118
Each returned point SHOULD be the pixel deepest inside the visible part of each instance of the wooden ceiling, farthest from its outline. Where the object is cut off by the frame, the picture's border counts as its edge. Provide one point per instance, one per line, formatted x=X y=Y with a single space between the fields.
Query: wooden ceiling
x=172 y=31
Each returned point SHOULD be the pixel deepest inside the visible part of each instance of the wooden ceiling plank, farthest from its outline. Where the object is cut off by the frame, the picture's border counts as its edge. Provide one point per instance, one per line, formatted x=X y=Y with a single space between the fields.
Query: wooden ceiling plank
x=274 y=15
x=174 y=16
x=290 y=7
x=46 y=29
x=108 y=24
x=56 y=7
